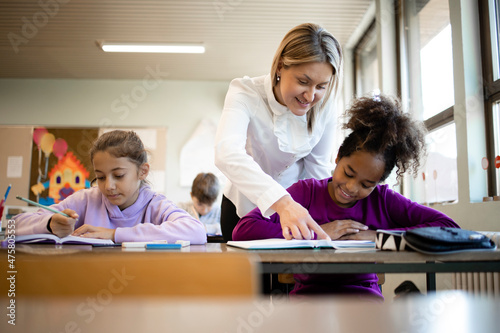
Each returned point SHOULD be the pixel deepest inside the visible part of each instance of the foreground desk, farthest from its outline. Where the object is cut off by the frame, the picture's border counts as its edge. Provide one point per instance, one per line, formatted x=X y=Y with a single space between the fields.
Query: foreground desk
x=319 y=261
x=442 y=312
x=73 y=270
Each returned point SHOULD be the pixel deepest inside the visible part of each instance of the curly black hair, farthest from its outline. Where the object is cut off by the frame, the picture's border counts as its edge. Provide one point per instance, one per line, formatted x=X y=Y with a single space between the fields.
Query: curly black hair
x=379 y=126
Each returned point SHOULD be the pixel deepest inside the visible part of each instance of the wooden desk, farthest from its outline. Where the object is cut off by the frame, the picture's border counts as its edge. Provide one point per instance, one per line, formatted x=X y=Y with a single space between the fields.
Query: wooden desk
x=74 y=270
x=442 y=312
x=325 y=261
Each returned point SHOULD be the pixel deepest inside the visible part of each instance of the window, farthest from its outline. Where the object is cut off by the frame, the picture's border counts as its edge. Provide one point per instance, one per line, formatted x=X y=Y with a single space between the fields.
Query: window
x=366 y=63
x=494 y=18
x=437 y=73
x=489 y=12
x=496 y=147
x=427 y=39
x=440 y=170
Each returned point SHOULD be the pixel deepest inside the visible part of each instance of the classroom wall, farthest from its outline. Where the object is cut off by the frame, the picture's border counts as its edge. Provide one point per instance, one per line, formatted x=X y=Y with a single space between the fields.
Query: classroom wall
x=179 y=106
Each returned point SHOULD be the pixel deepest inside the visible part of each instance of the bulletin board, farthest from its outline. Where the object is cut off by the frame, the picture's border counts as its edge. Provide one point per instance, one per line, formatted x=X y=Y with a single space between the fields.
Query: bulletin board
x=15 y=162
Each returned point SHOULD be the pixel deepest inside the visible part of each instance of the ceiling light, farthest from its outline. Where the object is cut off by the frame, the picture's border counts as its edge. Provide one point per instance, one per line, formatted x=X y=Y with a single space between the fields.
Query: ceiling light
x=152 y=47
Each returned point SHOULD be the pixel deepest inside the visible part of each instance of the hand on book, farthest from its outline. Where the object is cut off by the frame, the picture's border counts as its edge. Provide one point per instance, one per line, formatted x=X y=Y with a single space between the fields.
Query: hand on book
x=342 y=228
x=90 y=231
x=63 y=226
x=296 y=221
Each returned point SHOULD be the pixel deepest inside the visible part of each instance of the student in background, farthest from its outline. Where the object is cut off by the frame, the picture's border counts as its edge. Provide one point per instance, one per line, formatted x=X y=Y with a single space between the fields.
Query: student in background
x=278 y=128
x=204 y=193
x=122 y=207
x=352 y=204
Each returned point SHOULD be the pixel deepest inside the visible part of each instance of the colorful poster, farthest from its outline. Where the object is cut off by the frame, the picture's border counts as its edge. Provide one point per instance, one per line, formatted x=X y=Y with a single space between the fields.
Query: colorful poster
x=60 y=162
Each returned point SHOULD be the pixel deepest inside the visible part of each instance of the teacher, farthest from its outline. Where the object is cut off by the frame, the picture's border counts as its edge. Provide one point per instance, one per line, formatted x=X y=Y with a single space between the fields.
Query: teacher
x=278 y=128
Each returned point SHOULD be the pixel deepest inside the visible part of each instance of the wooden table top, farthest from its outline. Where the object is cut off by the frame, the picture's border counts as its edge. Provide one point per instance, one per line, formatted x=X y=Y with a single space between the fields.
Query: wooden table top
x=282 y=256
x=443 y=312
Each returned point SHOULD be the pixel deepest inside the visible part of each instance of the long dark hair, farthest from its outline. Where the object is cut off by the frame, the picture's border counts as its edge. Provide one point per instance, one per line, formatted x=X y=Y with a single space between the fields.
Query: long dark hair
x=121 y=143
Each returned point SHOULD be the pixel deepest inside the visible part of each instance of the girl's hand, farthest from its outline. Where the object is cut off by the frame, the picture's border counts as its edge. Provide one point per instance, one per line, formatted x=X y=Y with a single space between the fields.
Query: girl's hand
x=90 y=231
x=339 y=228
x=370 y=235
x=63 y=226
x=296 y=221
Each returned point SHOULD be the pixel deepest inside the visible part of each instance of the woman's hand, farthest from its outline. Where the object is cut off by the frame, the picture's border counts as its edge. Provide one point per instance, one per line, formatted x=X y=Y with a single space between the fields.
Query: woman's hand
x=62 y=226
x=296 y=221
x=90 y=231
x=340 y=228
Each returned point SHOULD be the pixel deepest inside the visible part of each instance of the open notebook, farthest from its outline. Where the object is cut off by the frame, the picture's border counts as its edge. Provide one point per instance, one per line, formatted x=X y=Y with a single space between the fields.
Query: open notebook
x=279 y=243
x=53 y=239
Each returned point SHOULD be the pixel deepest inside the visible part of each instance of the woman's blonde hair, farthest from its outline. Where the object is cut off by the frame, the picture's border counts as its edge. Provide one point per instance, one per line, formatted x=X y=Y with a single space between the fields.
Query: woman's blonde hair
x=307 y=43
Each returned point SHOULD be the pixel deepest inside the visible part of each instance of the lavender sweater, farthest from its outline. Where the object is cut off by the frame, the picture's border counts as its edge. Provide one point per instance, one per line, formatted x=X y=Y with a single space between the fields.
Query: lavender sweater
x=382 y=209
x=151 y=217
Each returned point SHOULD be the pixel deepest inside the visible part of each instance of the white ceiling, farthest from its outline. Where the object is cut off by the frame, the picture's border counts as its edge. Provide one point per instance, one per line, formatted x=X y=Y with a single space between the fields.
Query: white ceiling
x=60 y=40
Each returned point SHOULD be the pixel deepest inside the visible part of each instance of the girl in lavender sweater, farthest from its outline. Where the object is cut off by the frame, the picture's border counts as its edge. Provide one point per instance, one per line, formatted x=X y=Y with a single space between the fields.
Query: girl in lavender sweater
x=352 y=204
x=122 y=207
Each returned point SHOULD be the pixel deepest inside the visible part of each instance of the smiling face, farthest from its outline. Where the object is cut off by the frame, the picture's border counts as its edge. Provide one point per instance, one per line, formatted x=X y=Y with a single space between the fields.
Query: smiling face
x=355 y=177
x=118 y=178
x=302 y=86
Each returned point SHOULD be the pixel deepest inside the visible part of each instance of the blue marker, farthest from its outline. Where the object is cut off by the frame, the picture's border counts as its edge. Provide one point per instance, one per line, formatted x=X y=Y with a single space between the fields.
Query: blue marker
x=7 y=193
x=161 y=246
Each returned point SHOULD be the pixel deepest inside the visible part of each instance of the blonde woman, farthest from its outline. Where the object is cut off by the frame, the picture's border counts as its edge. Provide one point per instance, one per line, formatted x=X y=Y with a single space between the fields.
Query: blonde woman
x=278 y=128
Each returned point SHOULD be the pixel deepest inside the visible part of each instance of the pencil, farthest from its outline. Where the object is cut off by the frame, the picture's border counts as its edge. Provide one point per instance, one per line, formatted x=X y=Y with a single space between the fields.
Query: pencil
x=42 y=206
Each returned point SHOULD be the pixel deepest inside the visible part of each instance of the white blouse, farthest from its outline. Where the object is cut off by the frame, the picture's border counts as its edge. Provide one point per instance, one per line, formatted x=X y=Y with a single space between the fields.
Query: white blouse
x=263 y=148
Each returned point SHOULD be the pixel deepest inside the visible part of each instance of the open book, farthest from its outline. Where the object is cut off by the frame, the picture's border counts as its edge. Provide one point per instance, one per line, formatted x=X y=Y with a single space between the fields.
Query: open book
x=280 y=243
x=53 y=239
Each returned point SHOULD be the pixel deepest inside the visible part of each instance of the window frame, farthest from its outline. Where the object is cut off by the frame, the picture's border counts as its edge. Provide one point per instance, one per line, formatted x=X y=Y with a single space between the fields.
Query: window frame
x=491 y=90
x=439 y=120
x=356 y=52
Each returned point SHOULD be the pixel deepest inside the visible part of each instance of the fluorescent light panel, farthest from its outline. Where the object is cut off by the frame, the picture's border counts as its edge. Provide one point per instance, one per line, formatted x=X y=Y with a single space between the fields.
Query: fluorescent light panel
x=152 y=47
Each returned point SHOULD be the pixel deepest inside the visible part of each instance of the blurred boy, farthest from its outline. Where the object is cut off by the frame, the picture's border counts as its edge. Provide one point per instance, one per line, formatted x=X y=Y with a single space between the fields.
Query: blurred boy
x=204 y=193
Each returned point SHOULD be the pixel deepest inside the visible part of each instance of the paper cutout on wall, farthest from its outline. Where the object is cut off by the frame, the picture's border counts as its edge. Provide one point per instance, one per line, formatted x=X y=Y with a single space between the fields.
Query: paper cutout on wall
x=60 y=148
x=67 y=177
x=57 y=171
x=485 y=163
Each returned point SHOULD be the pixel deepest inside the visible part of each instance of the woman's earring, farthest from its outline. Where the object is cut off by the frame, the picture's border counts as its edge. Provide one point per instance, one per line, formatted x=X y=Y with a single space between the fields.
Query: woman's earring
x=278 y=78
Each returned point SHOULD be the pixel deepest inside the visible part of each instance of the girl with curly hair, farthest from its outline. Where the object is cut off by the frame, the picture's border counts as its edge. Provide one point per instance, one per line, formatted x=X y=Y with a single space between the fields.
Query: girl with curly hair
x=353 y=204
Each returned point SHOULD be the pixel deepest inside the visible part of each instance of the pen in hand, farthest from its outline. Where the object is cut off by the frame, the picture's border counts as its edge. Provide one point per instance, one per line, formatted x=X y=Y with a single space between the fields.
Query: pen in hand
x=44 y=207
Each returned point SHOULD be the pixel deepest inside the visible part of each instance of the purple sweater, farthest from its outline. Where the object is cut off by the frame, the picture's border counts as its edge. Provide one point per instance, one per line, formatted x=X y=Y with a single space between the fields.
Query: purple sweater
x=151 y=217
x=382 y=209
